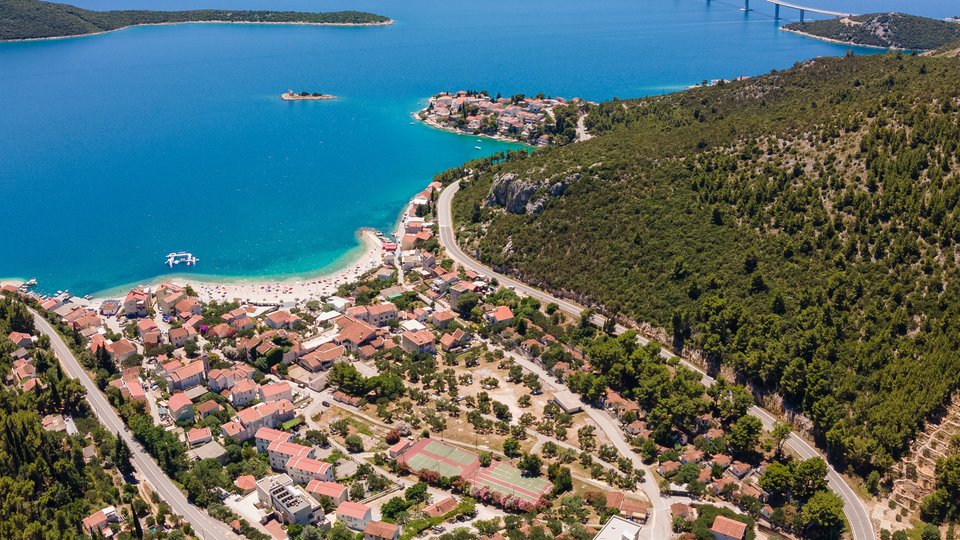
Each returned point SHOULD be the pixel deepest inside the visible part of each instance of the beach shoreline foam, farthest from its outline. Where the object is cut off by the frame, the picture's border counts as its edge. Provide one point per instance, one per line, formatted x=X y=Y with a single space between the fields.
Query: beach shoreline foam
x=265 y=290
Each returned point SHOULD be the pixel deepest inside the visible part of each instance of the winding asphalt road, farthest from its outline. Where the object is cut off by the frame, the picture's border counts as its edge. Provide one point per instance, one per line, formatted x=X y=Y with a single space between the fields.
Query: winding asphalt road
x=203 y=525
x=854 y=508
x=659 y=522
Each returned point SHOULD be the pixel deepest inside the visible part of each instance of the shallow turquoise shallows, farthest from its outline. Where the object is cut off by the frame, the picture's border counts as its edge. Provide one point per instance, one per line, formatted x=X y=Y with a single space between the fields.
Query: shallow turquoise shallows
x=119 y=148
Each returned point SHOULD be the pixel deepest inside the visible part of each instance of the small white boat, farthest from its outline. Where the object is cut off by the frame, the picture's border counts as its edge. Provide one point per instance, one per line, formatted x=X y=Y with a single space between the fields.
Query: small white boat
x=477 y=147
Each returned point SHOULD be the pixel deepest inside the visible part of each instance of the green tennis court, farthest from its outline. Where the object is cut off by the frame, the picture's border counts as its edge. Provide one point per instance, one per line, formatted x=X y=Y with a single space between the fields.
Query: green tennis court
x=442 y=458
x=452 y=453
x=422 y=461
x=508 y=480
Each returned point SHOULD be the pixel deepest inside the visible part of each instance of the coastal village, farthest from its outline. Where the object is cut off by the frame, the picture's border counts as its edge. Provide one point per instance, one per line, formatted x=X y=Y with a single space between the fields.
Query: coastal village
x=537 y=120
x=730 y=314
x=422 y=399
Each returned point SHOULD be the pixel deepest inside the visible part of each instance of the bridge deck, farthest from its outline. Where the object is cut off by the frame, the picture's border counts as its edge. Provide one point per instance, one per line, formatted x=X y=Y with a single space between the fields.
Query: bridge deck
x=811 y=9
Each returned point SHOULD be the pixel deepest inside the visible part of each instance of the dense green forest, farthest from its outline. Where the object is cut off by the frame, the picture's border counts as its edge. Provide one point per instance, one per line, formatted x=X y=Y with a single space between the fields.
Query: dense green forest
x=800 y=228
x=888 y=30
x=30 y=19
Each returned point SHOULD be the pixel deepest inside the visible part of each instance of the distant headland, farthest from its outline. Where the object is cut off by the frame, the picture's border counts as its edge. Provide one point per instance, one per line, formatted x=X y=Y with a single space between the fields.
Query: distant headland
x=290 y=95
x=882 y=30
x=32 y=19
x=537 y=120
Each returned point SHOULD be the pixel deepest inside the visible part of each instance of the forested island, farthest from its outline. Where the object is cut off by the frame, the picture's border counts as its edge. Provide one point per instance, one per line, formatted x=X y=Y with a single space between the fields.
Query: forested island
x=32 y=19
x=886 y=30
x=799 y=229
x=290 y=95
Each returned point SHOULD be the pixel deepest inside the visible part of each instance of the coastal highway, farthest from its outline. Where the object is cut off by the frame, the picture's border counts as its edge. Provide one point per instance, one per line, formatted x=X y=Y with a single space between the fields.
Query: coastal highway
x=203 y=525
x=854 y=509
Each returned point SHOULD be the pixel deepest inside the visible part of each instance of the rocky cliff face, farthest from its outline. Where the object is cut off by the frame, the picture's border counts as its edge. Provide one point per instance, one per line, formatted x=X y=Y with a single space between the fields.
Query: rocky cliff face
x=524 y=196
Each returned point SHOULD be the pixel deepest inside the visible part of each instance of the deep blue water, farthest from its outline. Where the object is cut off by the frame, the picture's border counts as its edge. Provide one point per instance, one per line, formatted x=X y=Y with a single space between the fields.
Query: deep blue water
x=116 y=149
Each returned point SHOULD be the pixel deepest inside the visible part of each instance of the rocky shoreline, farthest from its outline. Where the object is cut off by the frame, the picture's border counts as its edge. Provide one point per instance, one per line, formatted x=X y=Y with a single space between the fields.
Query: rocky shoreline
x=831 y=40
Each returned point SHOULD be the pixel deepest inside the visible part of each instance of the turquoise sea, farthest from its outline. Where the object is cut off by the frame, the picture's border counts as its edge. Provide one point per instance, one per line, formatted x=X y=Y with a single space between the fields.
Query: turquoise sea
x=119 y=148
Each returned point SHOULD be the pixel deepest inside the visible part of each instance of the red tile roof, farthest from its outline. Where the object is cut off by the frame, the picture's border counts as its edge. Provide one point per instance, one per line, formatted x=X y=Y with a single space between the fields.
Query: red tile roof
x=380 y=529
x=146 y=325
x=243 y=385
x=502 y=313
x=179 y=401
x=18 y=337
x=208 y=407
x=354 y=331
x=272 y=435
x=327 y=489
x=309 y=465
x=420 y=337
x=246 y=482
x=352 y=509
x=443 y=316
x=187 y=371
x=231 y=429
x=275 y=389
x=441 y=508
x=381 y=309
x=198 y=434
x=289 y=449
x=729 y=527
x=94 y=520
x=122 y=348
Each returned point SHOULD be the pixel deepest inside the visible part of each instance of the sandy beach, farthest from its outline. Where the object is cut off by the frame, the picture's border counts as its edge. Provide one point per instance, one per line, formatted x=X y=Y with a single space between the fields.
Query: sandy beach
x=288 y=292
x=293 y=291
x=285 y=292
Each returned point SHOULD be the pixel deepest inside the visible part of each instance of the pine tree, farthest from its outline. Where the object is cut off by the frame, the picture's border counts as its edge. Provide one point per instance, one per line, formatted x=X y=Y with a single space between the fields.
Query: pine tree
x=138 y=530
x=121 y=455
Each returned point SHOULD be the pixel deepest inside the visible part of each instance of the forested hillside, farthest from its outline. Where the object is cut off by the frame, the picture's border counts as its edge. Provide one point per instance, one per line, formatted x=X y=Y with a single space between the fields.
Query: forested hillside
x=888 y=30
x=31 y=19
x=46 y=488
x=799 y=227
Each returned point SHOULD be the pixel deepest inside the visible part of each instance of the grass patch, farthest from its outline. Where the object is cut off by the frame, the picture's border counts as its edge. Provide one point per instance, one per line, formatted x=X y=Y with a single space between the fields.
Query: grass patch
x=361 y=427
x=291 y=424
